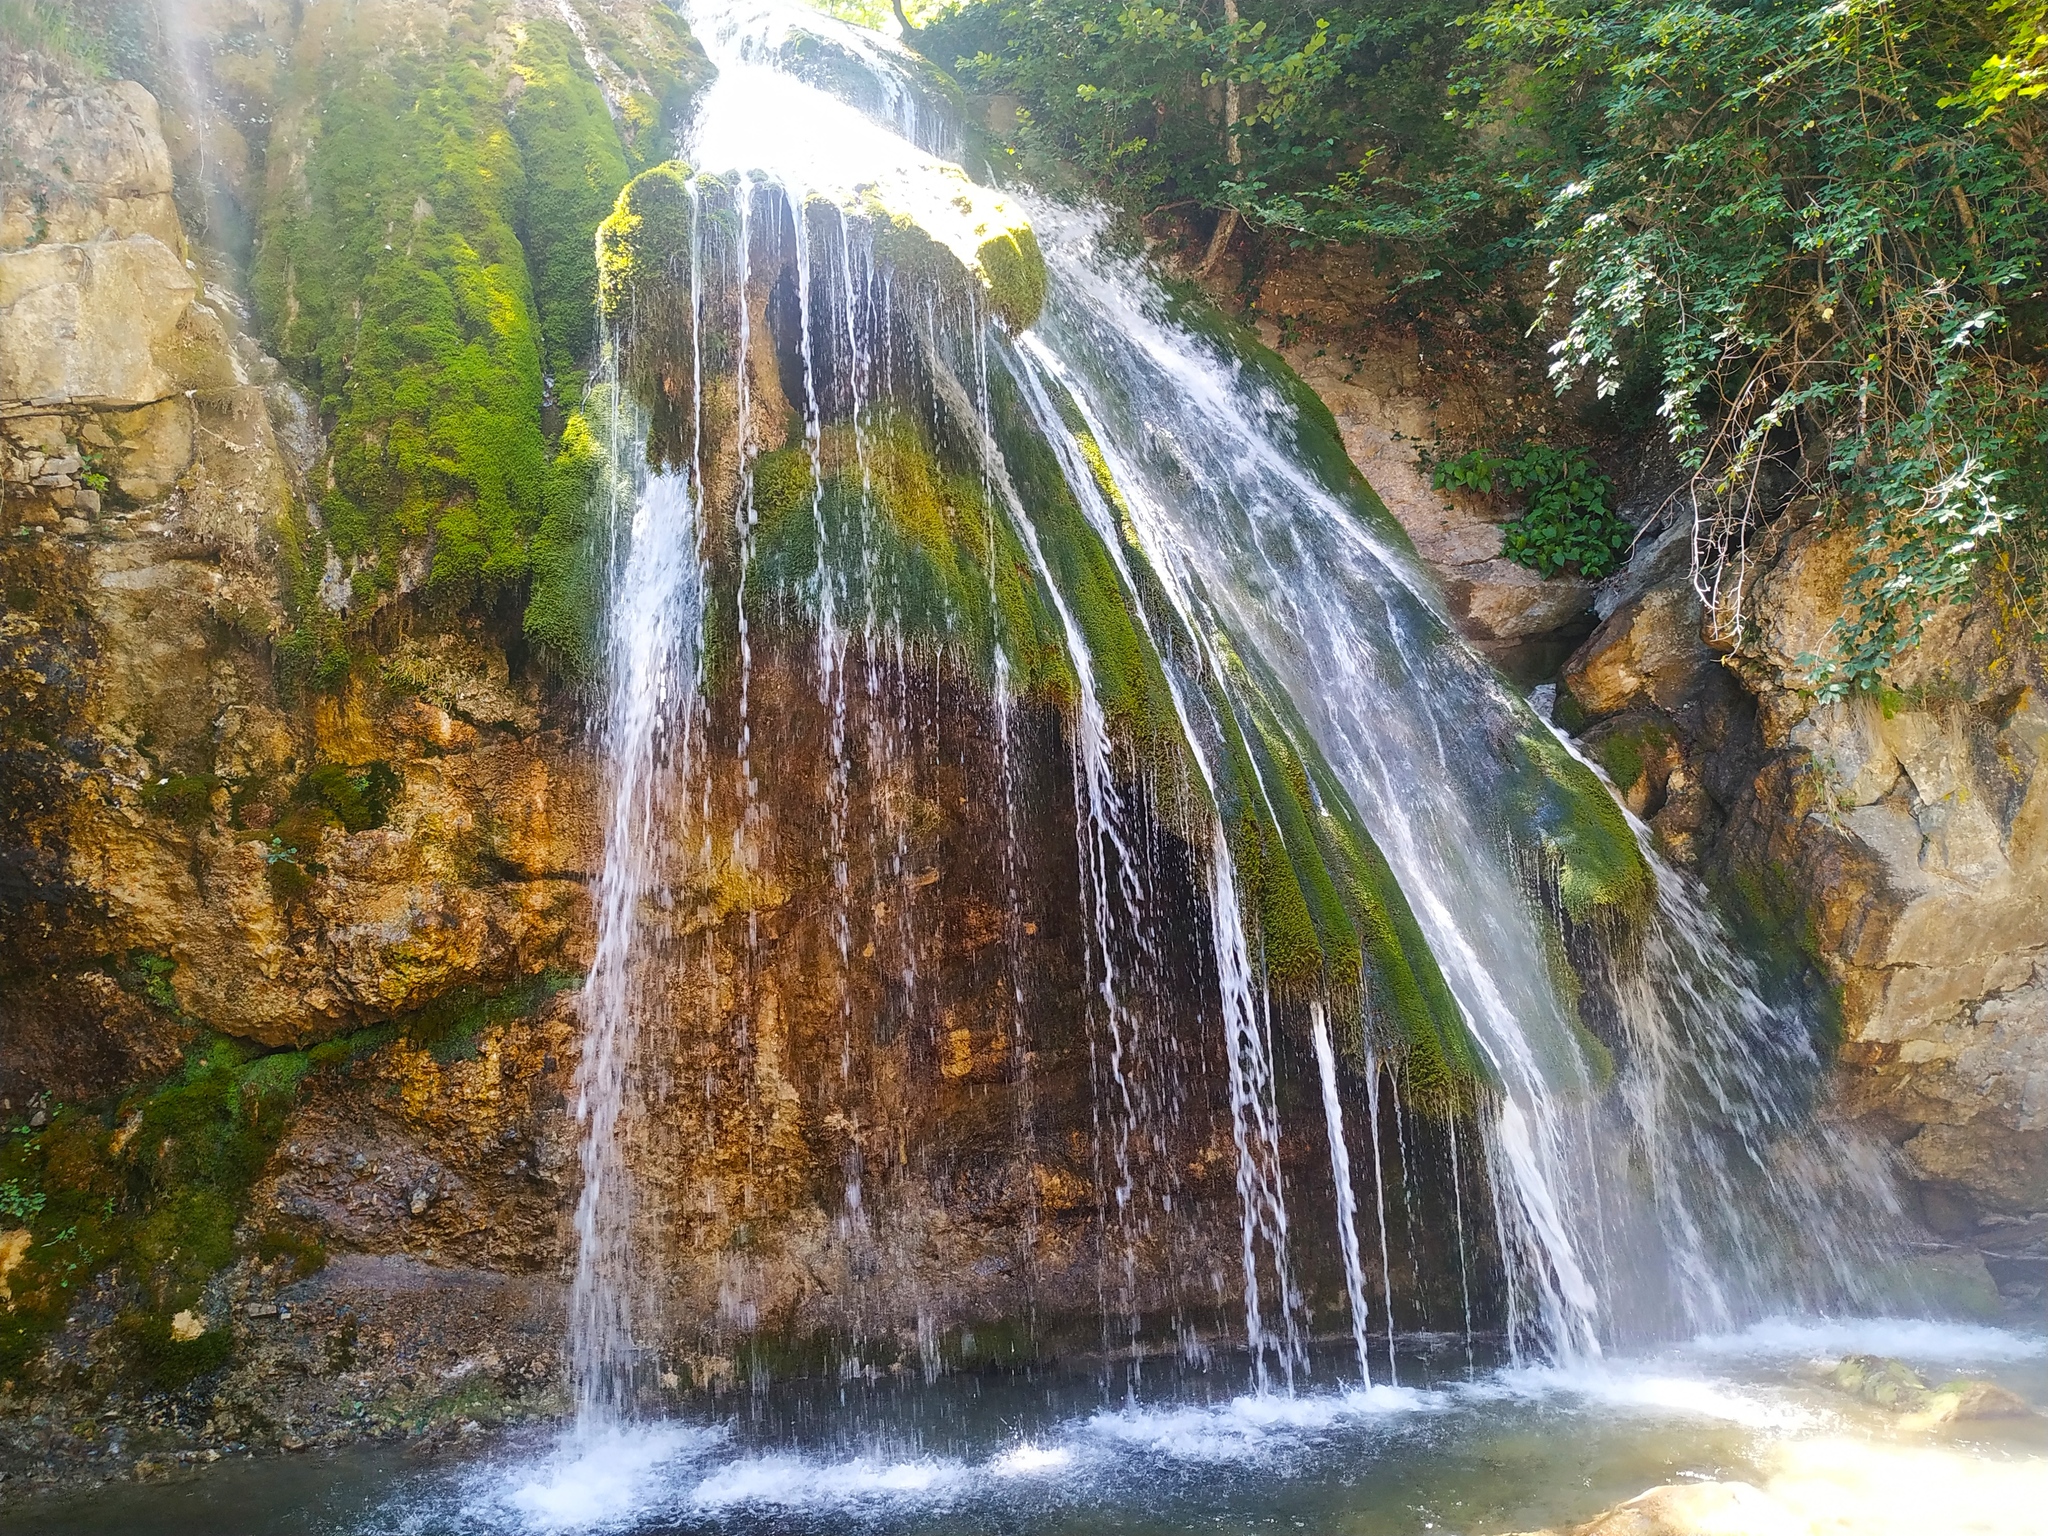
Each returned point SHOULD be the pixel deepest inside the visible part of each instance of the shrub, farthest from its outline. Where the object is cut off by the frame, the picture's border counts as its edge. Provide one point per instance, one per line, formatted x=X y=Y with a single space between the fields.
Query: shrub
x=1566 y=520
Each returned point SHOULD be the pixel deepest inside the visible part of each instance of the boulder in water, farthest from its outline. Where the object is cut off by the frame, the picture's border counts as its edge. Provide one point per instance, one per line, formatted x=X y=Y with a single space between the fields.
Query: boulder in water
x=1966 y=1401
x=1877 y=1379
x=1695 y=1509
x=1896 y=1385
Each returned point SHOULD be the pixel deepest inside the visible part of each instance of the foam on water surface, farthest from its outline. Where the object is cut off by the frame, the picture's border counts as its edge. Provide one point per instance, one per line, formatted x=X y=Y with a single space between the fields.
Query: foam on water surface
x=1908 y=1338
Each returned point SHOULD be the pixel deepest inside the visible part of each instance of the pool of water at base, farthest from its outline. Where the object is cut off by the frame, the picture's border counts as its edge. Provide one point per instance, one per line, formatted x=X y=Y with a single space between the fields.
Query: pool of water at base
x=1451 y=1450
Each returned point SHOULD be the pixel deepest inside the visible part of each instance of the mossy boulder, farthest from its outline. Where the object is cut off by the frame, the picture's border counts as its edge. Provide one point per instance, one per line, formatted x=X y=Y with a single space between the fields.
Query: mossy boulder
x=944 y=226
x=1598 y=866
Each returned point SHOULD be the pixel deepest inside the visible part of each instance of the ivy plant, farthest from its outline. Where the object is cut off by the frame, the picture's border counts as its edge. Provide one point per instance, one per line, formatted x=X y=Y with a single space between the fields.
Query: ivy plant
x=1568 y=521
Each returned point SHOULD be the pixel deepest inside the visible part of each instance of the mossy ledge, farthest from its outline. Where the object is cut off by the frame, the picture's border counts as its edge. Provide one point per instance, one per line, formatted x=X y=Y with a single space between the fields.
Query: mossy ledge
x=1597 y=864
x=152 y=1191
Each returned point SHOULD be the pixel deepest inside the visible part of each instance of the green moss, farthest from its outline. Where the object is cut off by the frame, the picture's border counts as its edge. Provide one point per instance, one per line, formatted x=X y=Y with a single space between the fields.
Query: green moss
x=662 y=66
x=1625 y=753
x=643 y=282
x=1331 y=918
x=355 y=799
x=447 y=1028
x=575 y=165
x=397 y=287
x=947 y=573
x=1129 y=677
x=1597 y=863
x=641 y=241
x=184 y=798
x=162 y=1360
x=567 y=596
x=957 y=236
x=157 y=1185
x=429 y=276
x=1014 y=269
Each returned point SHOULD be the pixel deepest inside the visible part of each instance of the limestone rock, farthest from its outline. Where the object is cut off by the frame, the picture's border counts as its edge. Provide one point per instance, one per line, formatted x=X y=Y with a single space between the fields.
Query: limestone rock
x=1499 y=600
x=89 y=323
x=1695 y=1509
x=1646 y=651
x=85 y=160
x=79 y=1035
x=1386 y=407
x=1901 y=831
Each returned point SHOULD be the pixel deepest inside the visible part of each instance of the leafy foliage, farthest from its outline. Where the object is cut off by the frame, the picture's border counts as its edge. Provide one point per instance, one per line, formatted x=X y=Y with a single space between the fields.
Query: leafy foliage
x=1137 y=96
x=1838 y=276
x=1567 y=521
x=1811 y=230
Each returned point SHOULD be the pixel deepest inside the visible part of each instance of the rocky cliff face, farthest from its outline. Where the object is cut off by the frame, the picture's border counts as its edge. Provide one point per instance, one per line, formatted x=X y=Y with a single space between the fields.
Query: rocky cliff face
x=289 y=955
x=195 y=850
x=1899 y=833
x=1895 y=836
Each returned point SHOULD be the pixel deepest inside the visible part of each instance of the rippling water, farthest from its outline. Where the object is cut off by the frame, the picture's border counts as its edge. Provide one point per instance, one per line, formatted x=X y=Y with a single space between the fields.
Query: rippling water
x=1504 y=1449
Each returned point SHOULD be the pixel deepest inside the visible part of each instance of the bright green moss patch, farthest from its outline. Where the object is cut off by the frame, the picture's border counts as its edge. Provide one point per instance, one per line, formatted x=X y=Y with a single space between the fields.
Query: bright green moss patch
x=918 y=541
x=1014 y=269
x=644 y=250
x=428 y=273
x=397 y=287
x=575 y=165
x=1626 y=752
x=957 y=235
x=1599 y=866
x=654 y=73
x=567 y=596
x=1129 y=679
x=1331 y=919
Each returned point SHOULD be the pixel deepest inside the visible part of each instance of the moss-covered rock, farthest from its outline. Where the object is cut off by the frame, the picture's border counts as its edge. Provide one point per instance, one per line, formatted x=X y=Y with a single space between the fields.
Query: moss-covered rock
x=567 y=596
x=575 y=164
x=1598 y=865
x=945 y=227
x=427 y=271
x=155 y=1188
x=918 y=543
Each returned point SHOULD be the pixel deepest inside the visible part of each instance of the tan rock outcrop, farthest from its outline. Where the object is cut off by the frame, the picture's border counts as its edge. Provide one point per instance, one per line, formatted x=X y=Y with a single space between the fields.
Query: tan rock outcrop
x=147 y=476
x=1900 y=832
x=85 y=161
x=1695 y=1509
x=91 y=324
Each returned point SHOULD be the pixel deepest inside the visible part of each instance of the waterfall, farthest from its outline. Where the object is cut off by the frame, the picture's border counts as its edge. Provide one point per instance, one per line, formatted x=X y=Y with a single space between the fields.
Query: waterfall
x=1251 y=561
x=1235 y=503
x=648 y=734
x=1347 y=1197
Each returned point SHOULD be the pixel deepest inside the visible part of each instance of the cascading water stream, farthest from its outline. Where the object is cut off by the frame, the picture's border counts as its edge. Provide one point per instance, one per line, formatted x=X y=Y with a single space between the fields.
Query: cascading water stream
x=1251 y=541
x=1347 y=1197
x=650 y=722
x=1259 y=554
x=1180 y=549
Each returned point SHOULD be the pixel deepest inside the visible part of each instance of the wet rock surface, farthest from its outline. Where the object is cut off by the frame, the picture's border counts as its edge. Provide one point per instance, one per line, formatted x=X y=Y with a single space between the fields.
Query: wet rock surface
x=1896 y=833
x=1896 y=836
